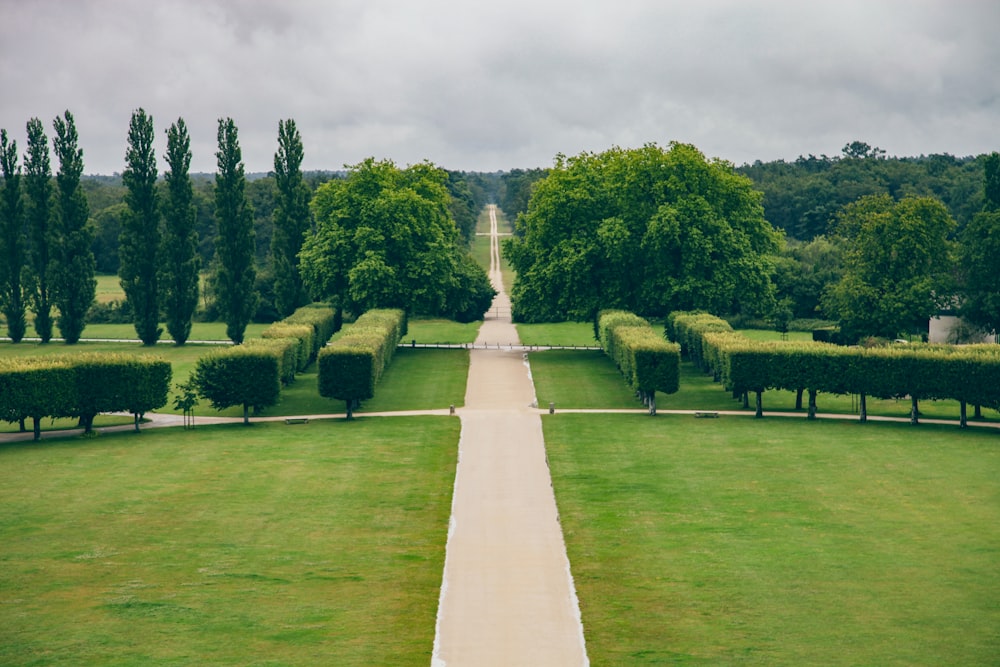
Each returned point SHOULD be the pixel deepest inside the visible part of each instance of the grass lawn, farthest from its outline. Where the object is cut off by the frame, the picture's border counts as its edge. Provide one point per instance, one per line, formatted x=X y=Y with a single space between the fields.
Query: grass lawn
x=579 y=379
x=210 y=331
x=564 y=334
x=435 y=331
x=738 y=541
x=319 y=544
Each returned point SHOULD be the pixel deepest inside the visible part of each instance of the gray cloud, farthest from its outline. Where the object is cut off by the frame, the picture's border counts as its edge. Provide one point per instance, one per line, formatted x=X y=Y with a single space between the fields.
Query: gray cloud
x=502 y=85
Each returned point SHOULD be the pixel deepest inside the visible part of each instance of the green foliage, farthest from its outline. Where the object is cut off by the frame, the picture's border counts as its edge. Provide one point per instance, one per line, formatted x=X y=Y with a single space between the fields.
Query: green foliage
x=804 y=270
x=139 y=243
x=351 y=366
x=235 y=246
x=385 y=238
x=181 y=261
x=291 y=220
x=321 y=318
x=979 y=256
x=39 y=211
x=646 y=230
x=240 y=375
x=288 y=350
x=14 y=293
x=72 y=263
x=897 y=265
x=302 y=334
x=648 y=362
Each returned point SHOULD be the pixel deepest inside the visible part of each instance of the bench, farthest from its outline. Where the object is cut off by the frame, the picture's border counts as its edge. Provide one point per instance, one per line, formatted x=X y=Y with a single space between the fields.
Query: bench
x=297 y=420
x=706 y=415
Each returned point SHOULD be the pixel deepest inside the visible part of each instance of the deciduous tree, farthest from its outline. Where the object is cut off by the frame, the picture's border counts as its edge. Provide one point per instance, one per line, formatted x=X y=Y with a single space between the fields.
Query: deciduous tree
x=13 y=291
x=291 y=220
x=73 y=280
x=180 y=259
x=980 y=255
x=39 y=211
x=139 y=242
x=234 y=247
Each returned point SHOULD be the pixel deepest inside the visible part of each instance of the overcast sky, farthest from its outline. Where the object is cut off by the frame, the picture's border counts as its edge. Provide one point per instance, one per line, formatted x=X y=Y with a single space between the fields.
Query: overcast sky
x=500 y=84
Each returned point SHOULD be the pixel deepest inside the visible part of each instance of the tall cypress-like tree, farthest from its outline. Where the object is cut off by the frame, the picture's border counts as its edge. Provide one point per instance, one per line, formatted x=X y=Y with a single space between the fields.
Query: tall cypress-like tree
x=979 y=255
x=291 y=220
x=39 y=214
x=234 y=247
x=73 y=265
x=13 y=294
x=180 y=259
x=139 y=241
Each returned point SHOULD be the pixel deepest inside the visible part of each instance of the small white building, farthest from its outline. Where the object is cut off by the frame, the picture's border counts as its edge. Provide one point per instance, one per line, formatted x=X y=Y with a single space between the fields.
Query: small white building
x=948 y=327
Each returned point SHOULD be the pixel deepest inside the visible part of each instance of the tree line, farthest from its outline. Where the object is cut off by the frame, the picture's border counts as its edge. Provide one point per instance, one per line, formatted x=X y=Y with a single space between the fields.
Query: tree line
x=174 y=237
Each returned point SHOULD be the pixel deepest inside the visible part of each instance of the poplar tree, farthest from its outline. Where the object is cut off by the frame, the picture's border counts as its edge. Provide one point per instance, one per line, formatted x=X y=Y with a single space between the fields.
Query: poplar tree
x=180 y=258
x=139 y=240
x=291 y=220
x=73 y=265
x=13 y=293
x=234 y=246
x=38 y=214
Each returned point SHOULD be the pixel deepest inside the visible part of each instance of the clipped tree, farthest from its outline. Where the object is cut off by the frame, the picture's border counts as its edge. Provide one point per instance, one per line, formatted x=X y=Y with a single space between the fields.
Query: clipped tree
x=73 y=265
x=139 y=241
x=247 y=376
x=13 y=291
x=291 y=220
x=180 y=261
x=39 y=211
x=236 y=275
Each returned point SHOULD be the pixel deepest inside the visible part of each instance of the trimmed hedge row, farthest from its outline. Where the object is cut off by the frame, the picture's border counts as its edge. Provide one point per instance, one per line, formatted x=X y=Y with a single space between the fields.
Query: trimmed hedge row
x=323 y=320
x=81 y=386
x=648 y=361
x=968 y=374
x=351 y=366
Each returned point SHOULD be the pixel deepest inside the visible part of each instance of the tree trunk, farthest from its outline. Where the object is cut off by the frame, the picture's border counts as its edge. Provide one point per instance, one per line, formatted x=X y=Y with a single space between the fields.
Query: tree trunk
x=136 y=415
x=977 y=413
x=914 y=412
x=864 y=408
x=652 y=404
x=963 y=420
x=798 y=398
x=246 y=414
x=350 y=409
x=37 y=424
x=812 y=404
x=21 y=423
x=760 y=404
x=746 y=400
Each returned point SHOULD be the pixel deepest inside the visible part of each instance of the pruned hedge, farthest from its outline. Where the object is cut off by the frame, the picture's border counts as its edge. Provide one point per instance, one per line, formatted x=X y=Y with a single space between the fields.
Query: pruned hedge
x=648 y=361
x=968 y=374
x=247 y=375
x=81 y=386
x=323 y=320
x=351 y=366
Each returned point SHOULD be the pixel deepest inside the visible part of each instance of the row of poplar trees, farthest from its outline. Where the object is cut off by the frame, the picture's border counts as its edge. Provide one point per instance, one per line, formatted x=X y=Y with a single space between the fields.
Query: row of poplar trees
x=45 y=249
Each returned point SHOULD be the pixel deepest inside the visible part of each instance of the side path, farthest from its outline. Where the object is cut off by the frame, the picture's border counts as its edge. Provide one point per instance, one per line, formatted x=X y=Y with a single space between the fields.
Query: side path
x=507 y=596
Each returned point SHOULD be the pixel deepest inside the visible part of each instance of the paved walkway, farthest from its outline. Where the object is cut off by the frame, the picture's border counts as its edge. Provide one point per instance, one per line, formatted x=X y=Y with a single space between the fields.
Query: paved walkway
x=507 y=596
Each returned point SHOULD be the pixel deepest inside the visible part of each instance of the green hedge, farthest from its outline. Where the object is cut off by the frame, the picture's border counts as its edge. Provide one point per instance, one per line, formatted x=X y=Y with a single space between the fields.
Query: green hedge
x=323 y=320
x=648 y=361
x=81 y=386
x=304 y=337
x=351 y=366
x=247 y=375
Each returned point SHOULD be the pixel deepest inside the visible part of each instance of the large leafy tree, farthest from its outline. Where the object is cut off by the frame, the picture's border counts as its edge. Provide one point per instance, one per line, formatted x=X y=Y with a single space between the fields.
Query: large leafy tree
x=39 y=213
x=234 y=248
x=980 y=255
x=73 y=263
x=385 y=238
x=180 y=259
x=291 y=220
x=646 y=230
x=139 y=240
x=13 y=291
x=897 y=265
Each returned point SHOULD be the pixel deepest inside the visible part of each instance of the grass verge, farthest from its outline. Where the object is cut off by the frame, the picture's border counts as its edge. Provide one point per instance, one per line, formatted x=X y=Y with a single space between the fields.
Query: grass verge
x=738 y=541
x=318 y=544
x=563 y=334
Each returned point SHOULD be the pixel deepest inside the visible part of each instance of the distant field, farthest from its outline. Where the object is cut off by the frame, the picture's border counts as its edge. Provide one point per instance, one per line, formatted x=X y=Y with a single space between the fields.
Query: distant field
x=780 y=542
x=316 y=544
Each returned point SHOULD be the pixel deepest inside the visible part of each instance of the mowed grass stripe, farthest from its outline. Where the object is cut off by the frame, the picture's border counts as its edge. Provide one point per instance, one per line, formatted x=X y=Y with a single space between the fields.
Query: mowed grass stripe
x=780 y=542
x=317 y=544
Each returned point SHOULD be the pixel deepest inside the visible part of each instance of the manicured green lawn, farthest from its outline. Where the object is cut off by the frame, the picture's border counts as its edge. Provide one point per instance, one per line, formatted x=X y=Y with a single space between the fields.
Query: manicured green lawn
x=579 y=379
x=209 y=331
x=316 y=544
x=764 y=334
x=563 y=334
x=780 y=542
x=441 y=331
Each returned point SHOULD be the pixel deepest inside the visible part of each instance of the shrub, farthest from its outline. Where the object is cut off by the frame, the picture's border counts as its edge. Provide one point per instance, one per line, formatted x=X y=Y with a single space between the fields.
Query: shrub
x=241 y=375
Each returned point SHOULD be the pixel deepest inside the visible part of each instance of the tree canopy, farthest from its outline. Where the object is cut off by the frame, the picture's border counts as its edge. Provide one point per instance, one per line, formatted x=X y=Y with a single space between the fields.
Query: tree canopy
x=386 y=238
x=13 y=243
x=980 y=255
x=648 y=230
x=897 y=265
